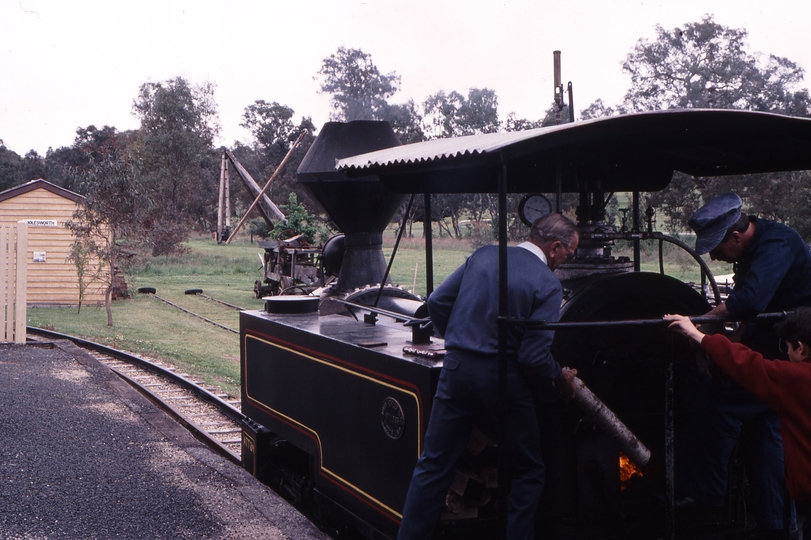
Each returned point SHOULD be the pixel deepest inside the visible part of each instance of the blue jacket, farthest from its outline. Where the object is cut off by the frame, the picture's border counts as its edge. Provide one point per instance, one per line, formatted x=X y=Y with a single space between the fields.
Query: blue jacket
x=464 y=309
x=774 y=274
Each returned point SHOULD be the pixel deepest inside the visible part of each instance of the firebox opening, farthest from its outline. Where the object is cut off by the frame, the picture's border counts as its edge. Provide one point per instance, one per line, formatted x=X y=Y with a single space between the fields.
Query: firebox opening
x=628 y=471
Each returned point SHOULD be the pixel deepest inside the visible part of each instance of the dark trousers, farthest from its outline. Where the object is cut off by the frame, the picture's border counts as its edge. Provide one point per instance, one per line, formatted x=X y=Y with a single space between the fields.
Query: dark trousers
x=804 y=507
x=467 y=395
x=721 y=413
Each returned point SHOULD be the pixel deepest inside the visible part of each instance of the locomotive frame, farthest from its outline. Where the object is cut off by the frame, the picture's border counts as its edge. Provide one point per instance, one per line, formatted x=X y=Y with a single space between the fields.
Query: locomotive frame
x=310 y=379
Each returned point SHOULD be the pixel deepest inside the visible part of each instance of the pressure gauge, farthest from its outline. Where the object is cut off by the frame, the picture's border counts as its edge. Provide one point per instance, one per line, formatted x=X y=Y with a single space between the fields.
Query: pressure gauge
x=533 y=207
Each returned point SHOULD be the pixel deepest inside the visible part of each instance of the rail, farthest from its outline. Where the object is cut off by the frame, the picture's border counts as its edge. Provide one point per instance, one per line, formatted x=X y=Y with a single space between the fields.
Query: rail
x=208 y=416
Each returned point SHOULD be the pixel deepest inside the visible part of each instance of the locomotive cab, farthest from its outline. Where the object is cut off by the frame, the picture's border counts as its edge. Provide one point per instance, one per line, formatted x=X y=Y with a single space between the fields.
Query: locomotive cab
x=338 y=404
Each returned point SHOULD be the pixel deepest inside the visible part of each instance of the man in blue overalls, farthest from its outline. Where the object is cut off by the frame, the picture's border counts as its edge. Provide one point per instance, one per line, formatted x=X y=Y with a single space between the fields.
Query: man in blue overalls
x=772 y=272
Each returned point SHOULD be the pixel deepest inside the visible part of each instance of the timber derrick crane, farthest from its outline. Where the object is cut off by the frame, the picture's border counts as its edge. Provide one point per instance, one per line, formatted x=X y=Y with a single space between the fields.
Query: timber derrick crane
x=288 y=266
x=264 y=205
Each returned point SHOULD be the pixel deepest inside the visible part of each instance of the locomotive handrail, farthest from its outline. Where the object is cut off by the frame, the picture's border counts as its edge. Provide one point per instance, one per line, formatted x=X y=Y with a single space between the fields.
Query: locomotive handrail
x=705 y=269
x=698 y=319
x=421 y=328
x=649 y=235
x=398 y=317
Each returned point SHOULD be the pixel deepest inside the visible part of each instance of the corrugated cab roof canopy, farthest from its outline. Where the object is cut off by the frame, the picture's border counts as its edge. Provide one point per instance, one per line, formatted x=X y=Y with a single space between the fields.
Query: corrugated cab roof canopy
x=635 y=152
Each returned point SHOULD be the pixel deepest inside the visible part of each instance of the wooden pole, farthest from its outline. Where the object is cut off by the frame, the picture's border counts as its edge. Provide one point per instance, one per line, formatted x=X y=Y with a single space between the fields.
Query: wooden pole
x=610 y=424
x=264 y=189
x=223 y=166
x=227 y=199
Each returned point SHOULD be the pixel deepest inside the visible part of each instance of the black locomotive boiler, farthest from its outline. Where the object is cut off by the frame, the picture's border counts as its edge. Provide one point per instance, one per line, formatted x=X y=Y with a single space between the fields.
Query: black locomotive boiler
x=338 y=388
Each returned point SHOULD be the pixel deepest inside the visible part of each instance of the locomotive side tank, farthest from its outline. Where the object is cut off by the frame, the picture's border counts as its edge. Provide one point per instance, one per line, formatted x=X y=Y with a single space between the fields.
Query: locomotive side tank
x=337 y=408
x=342 y=408
x=345 y=395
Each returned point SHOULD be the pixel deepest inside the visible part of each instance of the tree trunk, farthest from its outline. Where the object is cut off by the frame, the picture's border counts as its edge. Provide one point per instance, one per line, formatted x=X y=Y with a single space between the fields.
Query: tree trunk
x=455 y=223
x=443 y=225
x=108 y=305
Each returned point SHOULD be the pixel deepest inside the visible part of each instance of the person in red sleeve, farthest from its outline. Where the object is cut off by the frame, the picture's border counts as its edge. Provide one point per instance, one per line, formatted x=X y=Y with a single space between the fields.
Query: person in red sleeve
x=783 y=385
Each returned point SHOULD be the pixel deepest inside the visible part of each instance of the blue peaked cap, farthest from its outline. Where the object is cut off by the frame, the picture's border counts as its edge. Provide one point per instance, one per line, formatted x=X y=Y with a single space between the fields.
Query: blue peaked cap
x=711 y=221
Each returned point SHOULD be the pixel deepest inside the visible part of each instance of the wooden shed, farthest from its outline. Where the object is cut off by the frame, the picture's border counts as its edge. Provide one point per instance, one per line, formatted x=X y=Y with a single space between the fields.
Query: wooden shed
x=52 y=278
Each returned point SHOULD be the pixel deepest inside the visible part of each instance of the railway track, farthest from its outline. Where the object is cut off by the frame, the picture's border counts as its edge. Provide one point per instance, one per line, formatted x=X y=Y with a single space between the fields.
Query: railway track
x=210 y=415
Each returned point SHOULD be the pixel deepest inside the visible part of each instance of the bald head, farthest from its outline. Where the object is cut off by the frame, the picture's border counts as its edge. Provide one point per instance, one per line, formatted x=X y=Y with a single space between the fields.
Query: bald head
x=553 y=227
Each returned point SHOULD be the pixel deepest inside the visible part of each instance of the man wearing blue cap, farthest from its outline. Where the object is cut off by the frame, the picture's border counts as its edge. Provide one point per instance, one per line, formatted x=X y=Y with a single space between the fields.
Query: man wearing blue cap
x=772 y=272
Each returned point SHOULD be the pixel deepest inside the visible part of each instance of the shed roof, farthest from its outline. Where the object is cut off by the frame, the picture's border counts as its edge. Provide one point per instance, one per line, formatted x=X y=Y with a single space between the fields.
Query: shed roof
x=40 y=184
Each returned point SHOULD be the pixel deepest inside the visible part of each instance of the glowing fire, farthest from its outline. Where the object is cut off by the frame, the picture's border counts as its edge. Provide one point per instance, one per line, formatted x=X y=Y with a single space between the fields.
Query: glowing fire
x=627 y=471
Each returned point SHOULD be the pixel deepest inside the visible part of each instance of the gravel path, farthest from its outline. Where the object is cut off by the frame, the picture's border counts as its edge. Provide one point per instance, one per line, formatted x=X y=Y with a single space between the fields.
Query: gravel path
x=84 y=456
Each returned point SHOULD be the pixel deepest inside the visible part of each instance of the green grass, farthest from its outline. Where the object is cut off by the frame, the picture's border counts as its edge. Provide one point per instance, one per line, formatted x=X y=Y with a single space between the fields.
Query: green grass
x=146 y=326
x=408 y=270
x=677 y=262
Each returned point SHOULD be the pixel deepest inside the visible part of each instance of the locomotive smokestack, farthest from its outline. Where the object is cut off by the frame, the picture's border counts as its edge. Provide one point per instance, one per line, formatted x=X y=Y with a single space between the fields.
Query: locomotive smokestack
x=361 y=207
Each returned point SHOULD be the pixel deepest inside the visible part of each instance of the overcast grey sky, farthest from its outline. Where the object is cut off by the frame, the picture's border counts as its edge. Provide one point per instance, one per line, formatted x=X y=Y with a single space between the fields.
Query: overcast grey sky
x=68 y=64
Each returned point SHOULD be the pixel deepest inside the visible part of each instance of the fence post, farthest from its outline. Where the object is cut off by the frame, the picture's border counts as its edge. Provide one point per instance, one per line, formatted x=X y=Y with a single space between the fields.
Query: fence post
x=21 y=278
x=5 y=284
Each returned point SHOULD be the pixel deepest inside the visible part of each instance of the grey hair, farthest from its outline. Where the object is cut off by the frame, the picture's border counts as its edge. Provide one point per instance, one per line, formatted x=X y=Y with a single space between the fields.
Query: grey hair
x=553 y=227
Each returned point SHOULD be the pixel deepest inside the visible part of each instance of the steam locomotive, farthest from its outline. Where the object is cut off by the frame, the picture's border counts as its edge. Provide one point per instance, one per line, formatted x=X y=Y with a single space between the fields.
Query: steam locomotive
x=338 y=387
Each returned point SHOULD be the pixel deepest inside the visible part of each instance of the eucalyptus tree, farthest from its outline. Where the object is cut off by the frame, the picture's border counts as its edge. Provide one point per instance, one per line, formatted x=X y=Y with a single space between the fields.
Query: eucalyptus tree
x=707 y=65
x=90 y=145
x=359 y=90
x=10 y=167
x=453 y=114
x=33 y=166
x=271 y=125
x=406 y=121
x=274 y=133
x=179 y=122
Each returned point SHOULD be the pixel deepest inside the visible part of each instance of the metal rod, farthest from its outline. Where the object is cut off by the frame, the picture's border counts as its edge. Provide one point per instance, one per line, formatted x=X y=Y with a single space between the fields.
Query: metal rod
x=429 y=249
x=698 y=319
x=635 y=229
x=502 y=353
x=703 y=283
x=558 y=183
x=701 y=263
x=670 y=519
x=558 y=86
x=399 y=317
x=393 y=251
x=571 y=102
x=661 y=257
